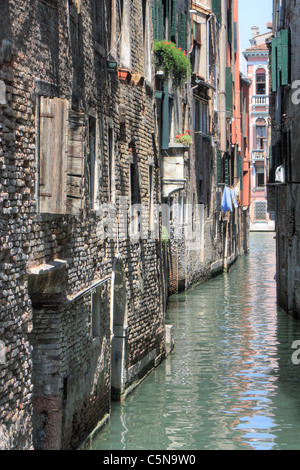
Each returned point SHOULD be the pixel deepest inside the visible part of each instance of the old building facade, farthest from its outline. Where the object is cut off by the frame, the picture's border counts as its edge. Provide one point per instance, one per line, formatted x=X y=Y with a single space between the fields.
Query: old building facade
x=204 y=240
x=113 y=178
x=257 y=57
x=283 y=187
x=82 y=317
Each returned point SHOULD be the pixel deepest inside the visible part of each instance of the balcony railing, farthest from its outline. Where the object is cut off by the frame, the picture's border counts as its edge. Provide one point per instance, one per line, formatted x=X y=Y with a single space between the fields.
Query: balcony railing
x=260 y=100
x=258 y=155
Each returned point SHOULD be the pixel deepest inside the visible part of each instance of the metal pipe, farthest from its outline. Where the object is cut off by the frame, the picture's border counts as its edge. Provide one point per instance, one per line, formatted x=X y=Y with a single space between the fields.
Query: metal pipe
x=207 y=45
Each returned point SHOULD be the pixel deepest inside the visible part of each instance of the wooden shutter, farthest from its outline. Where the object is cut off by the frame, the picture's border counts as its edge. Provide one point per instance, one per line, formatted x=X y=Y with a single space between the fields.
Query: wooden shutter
x=279 y=58
x=158 y=19
x=75 y=162
x=229 y=91
x=154 y=18
x=197 y=32
x=240 y=170
x=217 y=10
x=285 y=57
x=274 y=65
x=229 y=26
x=226 y=162
x=173 y=21
x=183 y=31
x=235 y=36
x=169 y=17
x=219 y=168
x=53 y=146
x=165 y=138
x=161 y=17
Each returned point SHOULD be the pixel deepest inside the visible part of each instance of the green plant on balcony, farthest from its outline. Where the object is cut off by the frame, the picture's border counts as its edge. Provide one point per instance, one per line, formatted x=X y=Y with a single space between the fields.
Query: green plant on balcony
x=173 y=61
x=184 y=138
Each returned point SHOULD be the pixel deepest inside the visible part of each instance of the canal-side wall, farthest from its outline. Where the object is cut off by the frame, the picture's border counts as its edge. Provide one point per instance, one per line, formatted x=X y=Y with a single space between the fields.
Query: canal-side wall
x=59 y=330
x=287 y=247
x=283 y=190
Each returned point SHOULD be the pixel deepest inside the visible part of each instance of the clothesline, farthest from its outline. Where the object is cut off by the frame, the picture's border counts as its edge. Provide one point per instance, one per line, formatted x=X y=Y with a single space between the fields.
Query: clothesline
x=231 y=197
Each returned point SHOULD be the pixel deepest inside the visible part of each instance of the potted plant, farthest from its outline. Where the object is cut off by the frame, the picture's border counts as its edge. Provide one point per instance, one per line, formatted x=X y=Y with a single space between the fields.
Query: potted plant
x=172 y=60
x=184 y=138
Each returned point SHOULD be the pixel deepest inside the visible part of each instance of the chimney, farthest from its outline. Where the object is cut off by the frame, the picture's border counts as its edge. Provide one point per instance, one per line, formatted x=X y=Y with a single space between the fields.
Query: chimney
x=255 y=31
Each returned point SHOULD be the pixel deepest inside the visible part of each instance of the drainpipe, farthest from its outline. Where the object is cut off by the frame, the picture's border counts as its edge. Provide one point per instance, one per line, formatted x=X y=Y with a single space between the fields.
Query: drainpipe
x=207 y=46
x=280 y=8
x=281 y=18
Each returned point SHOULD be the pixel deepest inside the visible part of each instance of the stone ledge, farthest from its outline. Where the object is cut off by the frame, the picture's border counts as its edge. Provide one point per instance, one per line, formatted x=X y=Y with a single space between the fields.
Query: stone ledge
x=47 y=283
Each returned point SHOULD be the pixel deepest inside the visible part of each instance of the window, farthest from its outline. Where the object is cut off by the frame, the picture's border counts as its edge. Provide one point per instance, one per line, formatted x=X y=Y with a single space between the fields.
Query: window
x=96 y=313
x=182 y=210
x=125 y=48
x=147 y=41
x=61 y=157
x=99 y=16
x=135 y=199
x=200 y=116
x=92 y=160
x=260 y=134
x=150 y=197
x=195 y=57
x=260 y=177
x=260 y=82
x=111 y=165
x=260 y=210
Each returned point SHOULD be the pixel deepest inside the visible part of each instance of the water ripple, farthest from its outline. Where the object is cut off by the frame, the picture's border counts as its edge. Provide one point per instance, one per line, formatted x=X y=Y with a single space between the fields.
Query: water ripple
x=230 y=382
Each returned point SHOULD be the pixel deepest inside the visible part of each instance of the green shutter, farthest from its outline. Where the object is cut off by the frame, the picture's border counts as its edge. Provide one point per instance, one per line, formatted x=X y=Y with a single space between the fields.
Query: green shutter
x=158 y=19
x=219 y=168
x=173 y=21
x=165 y=118
x=229 y=26
x=274 y=65
x=229 y=91
x=226 y=170
x=240 y=170
x=235 y=36
x=285 y=57
x=182 y=33
x=169 y=16
x=280 y=59
x=217 y=10
x=154 y=18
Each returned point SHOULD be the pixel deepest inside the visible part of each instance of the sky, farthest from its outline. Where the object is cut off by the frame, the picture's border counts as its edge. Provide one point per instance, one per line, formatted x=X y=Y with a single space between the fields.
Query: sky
x=252 y=13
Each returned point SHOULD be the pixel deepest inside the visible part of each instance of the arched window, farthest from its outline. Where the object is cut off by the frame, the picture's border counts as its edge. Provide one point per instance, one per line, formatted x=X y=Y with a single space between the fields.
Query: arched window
x=261 y=81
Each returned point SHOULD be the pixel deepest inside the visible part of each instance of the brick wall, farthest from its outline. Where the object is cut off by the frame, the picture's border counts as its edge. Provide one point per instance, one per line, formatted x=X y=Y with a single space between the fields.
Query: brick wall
x=55 y=380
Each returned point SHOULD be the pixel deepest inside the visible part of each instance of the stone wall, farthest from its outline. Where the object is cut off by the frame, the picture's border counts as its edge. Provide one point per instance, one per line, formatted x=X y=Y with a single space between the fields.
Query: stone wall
x=55 y=379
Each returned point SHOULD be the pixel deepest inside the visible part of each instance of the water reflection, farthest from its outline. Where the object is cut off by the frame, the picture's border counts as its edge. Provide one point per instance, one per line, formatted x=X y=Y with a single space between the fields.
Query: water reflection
x=230 y=383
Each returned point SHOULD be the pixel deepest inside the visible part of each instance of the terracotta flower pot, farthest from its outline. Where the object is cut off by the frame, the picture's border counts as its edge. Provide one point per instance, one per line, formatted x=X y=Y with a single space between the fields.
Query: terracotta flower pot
x=124 y=75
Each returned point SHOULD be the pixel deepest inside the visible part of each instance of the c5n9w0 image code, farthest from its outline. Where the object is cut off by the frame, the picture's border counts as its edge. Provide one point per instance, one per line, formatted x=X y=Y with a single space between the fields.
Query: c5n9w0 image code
x=172 y=459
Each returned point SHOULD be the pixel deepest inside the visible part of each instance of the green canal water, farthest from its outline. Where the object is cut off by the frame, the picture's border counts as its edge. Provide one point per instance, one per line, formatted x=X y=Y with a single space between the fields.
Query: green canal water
x=232 y=381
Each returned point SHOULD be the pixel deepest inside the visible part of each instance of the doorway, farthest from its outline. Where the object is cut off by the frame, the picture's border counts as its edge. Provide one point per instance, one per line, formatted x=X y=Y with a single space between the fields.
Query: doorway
x=119 y=329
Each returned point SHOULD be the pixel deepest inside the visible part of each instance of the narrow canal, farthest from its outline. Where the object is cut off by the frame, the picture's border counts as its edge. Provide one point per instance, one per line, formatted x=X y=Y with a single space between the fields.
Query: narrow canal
x=232 y=381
